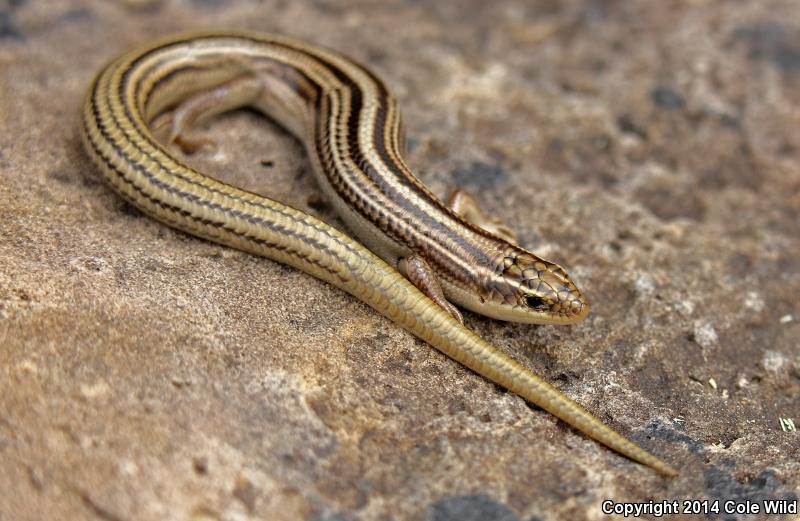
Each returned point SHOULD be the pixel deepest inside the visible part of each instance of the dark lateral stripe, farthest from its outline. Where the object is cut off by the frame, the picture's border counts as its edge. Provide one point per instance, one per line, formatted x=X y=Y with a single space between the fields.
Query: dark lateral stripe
x=139 y=168
x=207 y=222
x=109 y=163
x=385 y=207
x=344 y=78
x=356 y=107
x=310 y=97
x=391 y=212
x=141 y=134
x=390 y=161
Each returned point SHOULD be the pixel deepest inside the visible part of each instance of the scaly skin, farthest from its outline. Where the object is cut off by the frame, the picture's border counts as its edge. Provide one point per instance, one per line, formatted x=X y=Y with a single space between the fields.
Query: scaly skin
x=351 y=128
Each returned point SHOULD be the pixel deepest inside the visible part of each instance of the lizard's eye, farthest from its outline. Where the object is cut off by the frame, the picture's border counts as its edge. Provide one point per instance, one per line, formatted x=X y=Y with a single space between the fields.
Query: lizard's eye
x=536 y=302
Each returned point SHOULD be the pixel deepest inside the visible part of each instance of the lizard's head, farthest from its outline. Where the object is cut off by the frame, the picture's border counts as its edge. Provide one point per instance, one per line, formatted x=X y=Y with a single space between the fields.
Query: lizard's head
x=531 y=290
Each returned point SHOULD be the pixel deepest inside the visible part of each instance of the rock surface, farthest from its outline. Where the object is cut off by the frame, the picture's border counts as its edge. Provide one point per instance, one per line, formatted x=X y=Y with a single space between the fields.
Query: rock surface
x=653 y=148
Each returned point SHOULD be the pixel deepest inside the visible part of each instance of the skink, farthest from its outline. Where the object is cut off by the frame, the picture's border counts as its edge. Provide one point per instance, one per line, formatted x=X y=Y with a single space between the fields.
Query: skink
x=427 y=255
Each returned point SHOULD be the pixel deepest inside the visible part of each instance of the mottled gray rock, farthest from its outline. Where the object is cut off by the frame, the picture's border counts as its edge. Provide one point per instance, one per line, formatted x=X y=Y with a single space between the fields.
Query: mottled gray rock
x=650 y=147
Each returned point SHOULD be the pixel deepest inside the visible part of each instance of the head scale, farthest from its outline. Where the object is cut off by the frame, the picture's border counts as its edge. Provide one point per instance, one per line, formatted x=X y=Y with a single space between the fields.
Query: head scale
x=532 y=290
